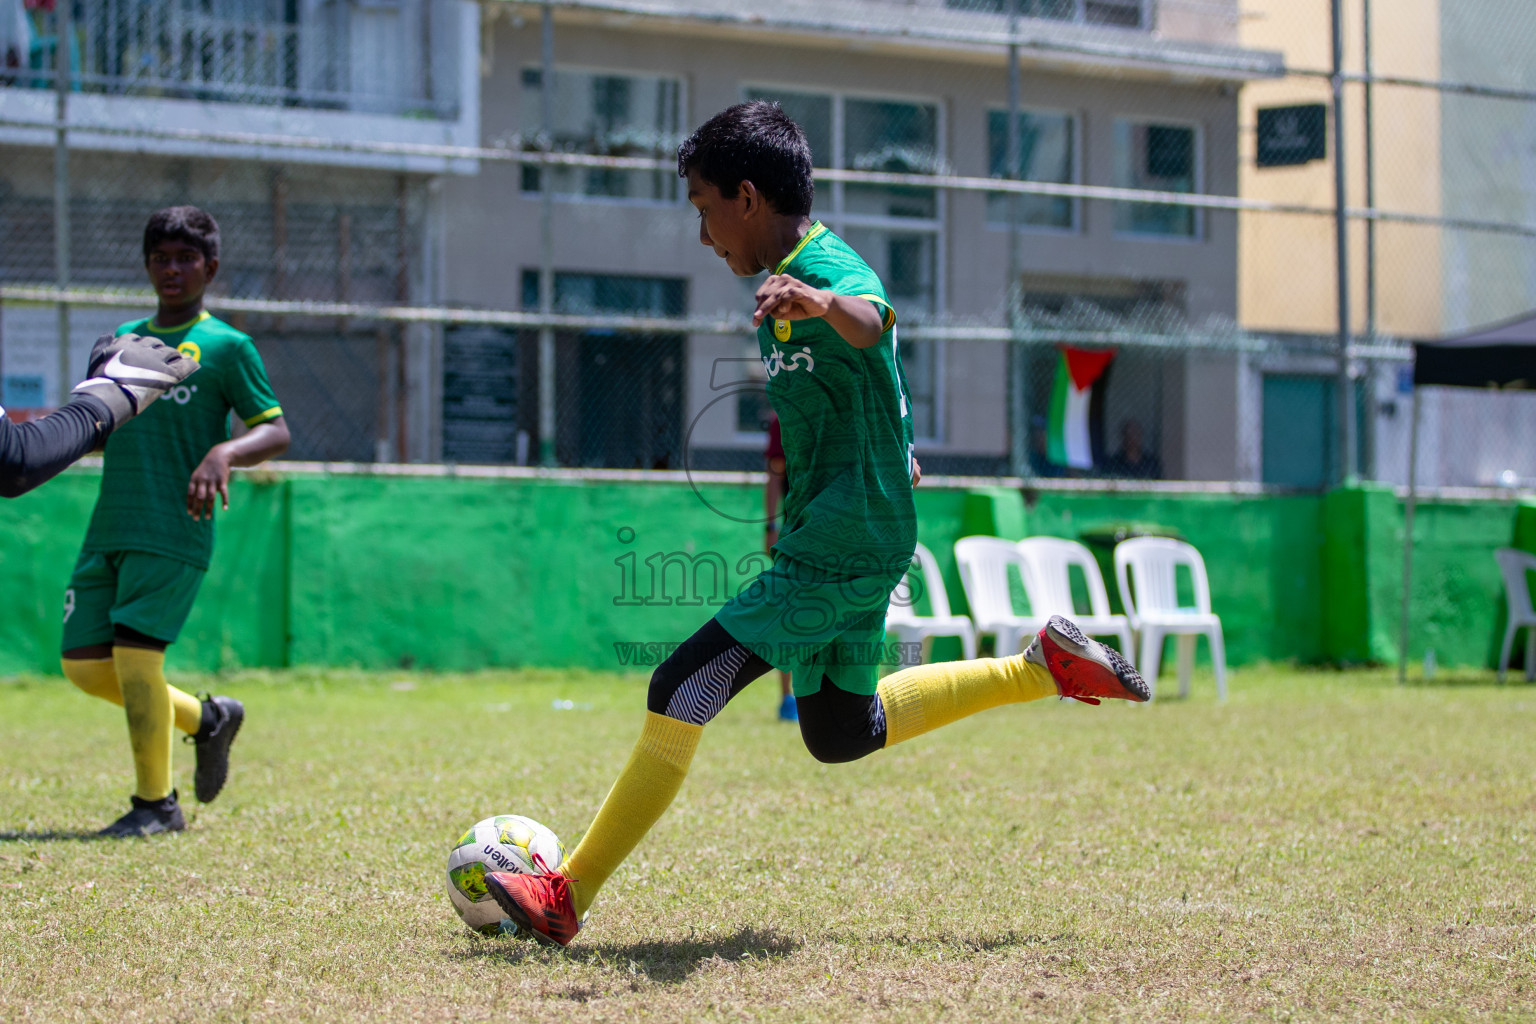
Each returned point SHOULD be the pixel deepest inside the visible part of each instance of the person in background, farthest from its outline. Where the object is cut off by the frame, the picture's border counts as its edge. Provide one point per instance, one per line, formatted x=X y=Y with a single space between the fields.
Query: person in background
x=151 y=535
x=1133 y=460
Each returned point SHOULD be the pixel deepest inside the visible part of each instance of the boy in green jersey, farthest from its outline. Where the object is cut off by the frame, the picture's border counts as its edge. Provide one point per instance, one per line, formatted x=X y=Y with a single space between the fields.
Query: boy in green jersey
x=827 y=335
x=151 y=534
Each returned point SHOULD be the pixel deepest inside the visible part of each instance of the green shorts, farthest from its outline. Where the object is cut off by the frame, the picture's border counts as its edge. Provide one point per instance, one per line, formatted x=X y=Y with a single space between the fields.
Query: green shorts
x=150 y=594
x=813 y=625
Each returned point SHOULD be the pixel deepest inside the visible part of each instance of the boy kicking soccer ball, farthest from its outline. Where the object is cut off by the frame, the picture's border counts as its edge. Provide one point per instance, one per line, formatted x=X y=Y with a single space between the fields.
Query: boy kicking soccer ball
x=151 y=535
x=827 y=334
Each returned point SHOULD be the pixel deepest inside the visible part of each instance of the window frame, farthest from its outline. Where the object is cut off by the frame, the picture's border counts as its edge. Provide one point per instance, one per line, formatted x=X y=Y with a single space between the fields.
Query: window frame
x=1077 y=177
x=839 y=221
x=610 y=72
x=1197 y=234
x=1145 y=15
x=1145 y=9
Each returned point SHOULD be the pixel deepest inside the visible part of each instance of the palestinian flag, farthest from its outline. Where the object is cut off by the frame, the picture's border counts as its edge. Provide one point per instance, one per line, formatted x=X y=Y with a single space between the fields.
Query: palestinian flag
x=1074 y=402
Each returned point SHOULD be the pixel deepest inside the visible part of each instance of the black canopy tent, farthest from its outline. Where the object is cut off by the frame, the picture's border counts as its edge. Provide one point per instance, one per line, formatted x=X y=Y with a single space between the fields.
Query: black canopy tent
x=1501 y=356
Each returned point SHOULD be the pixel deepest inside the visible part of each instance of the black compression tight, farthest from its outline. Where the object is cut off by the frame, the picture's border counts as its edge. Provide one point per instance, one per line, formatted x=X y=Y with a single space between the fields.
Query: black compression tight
x=839 y=726
x=710 y=667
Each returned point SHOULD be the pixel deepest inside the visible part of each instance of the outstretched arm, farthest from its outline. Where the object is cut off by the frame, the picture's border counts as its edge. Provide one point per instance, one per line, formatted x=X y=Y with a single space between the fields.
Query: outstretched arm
x=127 y=373
x=33 y=453
x=856 y=320
x=211 y=477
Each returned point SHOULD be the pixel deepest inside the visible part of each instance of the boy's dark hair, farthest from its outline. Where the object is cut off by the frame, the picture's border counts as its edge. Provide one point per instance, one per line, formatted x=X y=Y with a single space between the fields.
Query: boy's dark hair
x=757 y=142
x=183 y=224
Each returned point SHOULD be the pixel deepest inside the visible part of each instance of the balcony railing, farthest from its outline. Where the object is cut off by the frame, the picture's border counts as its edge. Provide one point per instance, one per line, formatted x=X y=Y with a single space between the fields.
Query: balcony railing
x=395 y=57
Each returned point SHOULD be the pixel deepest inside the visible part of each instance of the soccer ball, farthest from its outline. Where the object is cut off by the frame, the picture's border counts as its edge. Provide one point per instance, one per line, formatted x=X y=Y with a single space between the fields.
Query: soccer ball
x=507 y=842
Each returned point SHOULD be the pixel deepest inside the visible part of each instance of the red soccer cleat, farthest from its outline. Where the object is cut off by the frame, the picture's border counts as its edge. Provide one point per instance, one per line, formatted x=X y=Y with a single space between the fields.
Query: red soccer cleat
x=1084 y=669
x=540 y=903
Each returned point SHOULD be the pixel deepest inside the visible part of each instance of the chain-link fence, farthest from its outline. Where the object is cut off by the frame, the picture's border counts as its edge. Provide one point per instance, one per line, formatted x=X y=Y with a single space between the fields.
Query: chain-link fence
x=1111 y=228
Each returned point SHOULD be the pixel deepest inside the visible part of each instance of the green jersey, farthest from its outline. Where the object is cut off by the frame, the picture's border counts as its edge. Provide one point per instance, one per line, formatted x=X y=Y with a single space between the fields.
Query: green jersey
x=149 y=460
x=846 y=424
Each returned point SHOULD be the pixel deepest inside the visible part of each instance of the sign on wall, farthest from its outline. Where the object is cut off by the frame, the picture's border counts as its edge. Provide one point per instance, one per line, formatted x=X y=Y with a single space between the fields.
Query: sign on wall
x=1289 y=136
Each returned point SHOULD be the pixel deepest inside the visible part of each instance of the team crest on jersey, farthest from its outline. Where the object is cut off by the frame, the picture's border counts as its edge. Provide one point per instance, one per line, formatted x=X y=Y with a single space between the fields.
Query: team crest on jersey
x=191 y=349
x=781 y=329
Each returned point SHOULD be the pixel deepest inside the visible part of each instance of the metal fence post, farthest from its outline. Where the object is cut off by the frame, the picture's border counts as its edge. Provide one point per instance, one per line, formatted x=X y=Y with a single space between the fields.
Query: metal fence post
x=1367 y=111
x=1417 y=398
x=1018 y=400
x=64 y=13
x=1346 y=397
x=399 y=386
x=547 y=418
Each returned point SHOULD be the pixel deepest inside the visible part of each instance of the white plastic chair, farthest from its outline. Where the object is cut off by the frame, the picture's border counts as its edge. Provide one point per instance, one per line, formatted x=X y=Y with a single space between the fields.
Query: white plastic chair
x=984 y=564
x=1152 y=563
x=1514 y=564
x=902 y=619
x=1048 y=582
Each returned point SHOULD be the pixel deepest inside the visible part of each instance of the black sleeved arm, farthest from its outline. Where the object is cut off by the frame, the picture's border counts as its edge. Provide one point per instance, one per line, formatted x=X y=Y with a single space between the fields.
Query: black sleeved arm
x=32 y=453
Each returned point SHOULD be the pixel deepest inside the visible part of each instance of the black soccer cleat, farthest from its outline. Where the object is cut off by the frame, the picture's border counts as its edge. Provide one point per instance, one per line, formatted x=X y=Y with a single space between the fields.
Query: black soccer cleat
x=148 y=818
x=221 y=721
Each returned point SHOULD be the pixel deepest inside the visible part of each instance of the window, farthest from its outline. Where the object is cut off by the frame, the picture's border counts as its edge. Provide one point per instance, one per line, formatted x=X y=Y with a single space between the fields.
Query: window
x=606 y=115
x=1162 y=158
x=897 y=229
x=1047 y=152
x=611 y=293
x=921 y=361
x=900 y=138
x=1117 y=13
x=753 y=412
x=620 y=396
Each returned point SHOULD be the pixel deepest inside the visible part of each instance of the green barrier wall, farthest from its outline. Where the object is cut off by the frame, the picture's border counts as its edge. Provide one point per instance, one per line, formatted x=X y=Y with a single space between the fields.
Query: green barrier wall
x=459 y=573
x=1458 y=595
x=1362 y=574
x=466 y=573
x=241 y=613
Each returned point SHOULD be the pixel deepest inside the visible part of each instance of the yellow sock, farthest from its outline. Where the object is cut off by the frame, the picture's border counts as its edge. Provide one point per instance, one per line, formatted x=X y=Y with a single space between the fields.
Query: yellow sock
x=95 y=676
x=643 y=790
x=98 y=677
x=147 y=699
x=924 y=697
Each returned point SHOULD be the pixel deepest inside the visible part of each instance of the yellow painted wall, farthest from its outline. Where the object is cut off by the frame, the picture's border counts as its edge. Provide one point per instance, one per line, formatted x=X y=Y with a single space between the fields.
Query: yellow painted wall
x=1286 y=261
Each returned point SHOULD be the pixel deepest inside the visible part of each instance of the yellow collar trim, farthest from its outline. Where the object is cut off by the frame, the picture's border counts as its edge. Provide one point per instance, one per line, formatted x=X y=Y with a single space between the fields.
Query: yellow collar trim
x=816 y=229
x=204 y=315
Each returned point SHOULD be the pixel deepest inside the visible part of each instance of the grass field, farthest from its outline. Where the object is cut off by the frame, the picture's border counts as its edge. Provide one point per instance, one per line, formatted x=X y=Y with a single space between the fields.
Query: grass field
x=1322 y=846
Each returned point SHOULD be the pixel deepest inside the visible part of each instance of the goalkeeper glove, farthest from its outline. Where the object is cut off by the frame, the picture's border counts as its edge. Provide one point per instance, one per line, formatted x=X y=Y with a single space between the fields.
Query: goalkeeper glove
x=128 y=372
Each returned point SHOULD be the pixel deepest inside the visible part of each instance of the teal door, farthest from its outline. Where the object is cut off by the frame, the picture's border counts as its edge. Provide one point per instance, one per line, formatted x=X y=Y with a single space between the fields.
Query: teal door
x=1300 y=430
